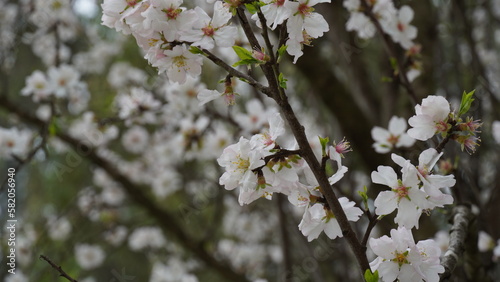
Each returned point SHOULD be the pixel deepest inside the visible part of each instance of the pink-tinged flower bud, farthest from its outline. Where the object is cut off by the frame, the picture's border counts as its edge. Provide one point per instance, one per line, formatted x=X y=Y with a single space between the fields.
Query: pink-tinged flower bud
x=445 y=166
x=230 y=99
x=260 y=55
x=233 y=3
x=414 y=50
x=229 y=95
x=442 y=127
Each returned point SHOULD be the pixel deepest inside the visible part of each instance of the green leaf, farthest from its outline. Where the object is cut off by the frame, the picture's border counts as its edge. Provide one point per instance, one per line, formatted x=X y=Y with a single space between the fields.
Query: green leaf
x=364 y=196
x=246 y=62
x=243 y=53
x=282 y=81
x=466 y=102
x=394 y=64
x=195 y=50
x=53 y=128
x=251 y=8
x=371 y=277
x=281 y=52
x=246 y=57
x=324 y=143
x=386 y=79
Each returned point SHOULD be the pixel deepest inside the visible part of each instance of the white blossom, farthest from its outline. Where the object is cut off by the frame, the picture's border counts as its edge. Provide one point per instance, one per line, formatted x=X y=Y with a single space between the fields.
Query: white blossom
x=318 y=218
x=430 y=118
x=89 y=256
x=393 y=137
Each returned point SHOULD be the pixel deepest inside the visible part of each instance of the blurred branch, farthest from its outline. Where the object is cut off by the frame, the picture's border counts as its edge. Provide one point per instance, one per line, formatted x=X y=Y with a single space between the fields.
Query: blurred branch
x=58 y=268
x=458 y=234
x=286 y=246
x=476 y=60
x=390 y=49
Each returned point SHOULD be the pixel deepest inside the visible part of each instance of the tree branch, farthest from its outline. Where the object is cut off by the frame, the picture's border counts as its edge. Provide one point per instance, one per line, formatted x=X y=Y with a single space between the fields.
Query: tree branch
x=325 y=187
x=458 y=234
x=59 y=269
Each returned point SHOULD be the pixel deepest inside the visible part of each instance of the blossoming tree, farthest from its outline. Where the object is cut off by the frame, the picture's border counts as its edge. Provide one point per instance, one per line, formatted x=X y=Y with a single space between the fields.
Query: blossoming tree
x=249 y=129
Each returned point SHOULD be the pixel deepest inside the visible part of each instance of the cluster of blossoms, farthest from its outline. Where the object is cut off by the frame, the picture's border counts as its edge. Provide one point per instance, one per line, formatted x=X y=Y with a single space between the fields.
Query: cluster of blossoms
x=394 y=22
x=400 y=258
x=261 y=167
x=61 y=82
x=418 y=189
x=15 y=142
x=165 y=30
x=434 y=116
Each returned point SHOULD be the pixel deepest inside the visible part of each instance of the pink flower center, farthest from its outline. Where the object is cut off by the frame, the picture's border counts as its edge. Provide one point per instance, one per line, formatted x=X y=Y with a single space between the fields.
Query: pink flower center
x=402 y=191
x=304 y=9
x=132 y=3
x=280 y=2
x=393 y=139
x=401 y=27
x=208 y=31
x=441 y=126
x=423 y=171
x=172 y=13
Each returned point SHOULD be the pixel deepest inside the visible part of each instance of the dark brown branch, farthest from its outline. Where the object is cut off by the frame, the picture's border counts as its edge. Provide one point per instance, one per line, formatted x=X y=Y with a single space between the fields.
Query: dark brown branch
x=325 y=187
x=247 y=28
x=59 y=269
x=461 y=219
x=373 y=221
x=449 y=136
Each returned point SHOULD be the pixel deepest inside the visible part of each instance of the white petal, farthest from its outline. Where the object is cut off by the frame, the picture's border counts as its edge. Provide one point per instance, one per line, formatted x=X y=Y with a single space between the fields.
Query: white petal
x=385 y=203
x=397 y=126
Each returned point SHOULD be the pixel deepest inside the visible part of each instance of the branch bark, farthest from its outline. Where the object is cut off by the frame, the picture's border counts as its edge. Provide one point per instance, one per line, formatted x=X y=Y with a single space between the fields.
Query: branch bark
x=458 y=234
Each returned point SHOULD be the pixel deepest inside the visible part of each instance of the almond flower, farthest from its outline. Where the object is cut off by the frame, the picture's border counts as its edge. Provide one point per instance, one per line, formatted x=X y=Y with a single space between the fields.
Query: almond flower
x=431 y=117
x=404 y=195
x=400 y=29
x=400 y=258
x=393 y=137
x=432 y=183
x=208 y=32
x=239 y=160
x=276 y=12
x=318 y=218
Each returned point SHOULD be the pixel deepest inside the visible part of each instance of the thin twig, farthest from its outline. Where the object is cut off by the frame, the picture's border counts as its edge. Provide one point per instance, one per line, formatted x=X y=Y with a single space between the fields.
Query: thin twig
x=59 y=269
x=236 y=73
x=373 y=221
